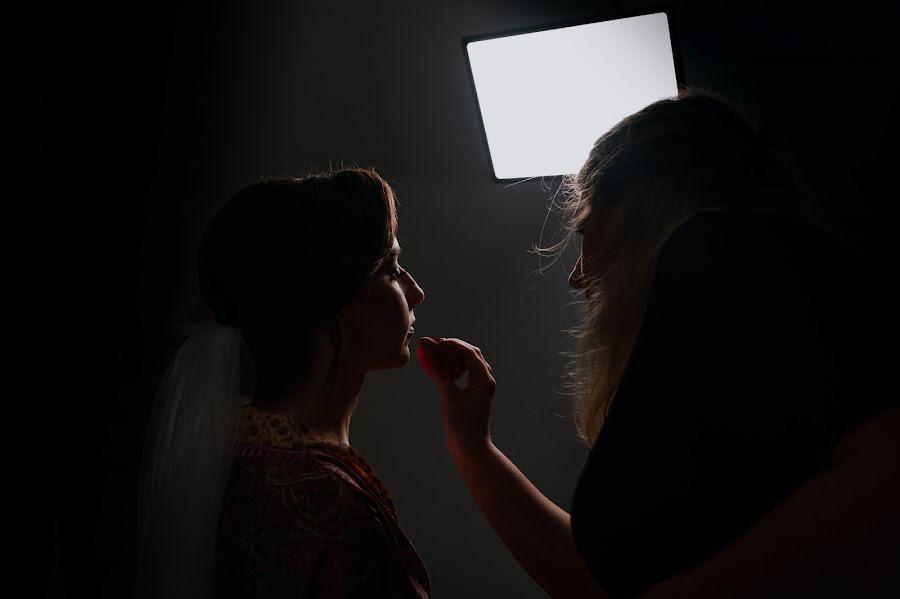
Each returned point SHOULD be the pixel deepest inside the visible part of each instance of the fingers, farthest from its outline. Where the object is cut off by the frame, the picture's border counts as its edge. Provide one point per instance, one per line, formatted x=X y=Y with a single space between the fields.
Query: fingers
x=480 y=372
x=454 y=364
x=435 y=361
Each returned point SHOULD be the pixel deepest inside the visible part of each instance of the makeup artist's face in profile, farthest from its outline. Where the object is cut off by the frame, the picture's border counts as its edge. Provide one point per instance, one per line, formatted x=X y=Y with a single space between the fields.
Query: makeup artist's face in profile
x=597 y=233
x=377 y=326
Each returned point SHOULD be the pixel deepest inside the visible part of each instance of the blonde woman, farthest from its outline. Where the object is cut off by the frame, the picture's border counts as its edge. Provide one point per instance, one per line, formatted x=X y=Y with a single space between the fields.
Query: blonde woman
x=740 y=446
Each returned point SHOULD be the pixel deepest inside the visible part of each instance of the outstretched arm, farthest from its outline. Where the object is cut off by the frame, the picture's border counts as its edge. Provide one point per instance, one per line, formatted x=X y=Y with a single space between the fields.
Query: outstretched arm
x=536 y=531
x=838 y=535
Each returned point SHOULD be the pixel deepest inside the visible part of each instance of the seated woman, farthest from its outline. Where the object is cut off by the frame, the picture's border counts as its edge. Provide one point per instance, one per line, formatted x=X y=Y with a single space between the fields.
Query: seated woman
x=266 y=497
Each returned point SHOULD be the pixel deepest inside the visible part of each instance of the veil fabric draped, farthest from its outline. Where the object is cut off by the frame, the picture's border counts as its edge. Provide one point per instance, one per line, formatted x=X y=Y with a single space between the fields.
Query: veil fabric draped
x=189 y=449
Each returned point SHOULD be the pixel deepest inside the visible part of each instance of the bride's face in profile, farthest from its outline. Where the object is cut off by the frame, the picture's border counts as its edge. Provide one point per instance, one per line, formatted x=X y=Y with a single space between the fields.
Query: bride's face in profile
x=376 y=327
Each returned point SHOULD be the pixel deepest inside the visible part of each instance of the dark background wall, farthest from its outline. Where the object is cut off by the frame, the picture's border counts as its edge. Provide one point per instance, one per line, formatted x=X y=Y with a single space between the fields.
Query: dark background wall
x=168 y=108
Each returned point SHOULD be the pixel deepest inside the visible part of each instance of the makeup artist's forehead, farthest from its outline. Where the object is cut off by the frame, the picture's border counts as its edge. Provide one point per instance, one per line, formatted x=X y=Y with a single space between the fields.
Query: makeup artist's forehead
x=582 y=212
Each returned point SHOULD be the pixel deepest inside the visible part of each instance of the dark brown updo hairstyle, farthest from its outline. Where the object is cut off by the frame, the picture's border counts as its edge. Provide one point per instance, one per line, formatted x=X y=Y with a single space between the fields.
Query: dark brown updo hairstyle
x=284 y=256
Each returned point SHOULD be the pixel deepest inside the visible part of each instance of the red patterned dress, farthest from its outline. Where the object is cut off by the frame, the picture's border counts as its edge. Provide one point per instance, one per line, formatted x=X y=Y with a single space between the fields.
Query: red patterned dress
x=306 y=516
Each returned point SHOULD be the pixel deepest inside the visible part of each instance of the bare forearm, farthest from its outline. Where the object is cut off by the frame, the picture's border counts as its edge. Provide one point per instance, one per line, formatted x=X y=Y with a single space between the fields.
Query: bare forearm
x=536 y=531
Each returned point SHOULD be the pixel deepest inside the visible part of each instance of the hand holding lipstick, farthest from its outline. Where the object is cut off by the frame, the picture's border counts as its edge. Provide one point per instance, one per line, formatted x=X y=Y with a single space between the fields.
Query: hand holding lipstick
x=466 y=410
x=439 y=362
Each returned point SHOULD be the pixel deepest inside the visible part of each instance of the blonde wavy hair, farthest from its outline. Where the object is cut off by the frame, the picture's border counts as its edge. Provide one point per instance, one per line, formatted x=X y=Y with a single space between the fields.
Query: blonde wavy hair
x=651 y=173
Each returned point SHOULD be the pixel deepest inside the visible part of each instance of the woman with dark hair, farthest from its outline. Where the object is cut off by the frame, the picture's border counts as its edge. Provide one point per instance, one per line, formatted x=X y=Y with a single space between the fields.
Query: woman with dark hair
x=740 y=444
x=264 y=496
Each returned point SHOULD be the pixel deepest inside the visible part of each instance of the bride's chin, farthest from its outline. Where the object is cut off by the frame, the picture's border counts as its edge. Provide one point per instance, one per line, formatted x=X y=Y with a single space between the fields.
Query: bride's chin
x=398 y=360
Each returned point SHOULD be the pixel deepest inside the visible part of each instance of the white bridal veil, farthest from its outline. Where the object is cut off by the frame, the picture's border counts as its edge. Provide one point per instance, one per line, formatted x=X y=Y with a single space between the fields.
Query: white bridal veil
x=188 y=453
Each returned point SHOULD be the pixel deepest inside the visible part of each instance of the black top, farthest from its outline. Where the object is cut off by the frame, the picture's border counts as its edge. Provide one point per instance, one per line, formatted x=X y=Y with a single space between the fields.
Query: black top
x=752 y=361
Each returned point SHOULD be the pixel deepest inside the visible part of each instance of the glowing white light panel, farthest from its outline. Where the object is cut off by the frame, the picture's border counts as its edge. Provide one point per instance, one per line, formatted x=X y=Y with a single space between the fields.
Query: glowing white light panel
x=545 y=97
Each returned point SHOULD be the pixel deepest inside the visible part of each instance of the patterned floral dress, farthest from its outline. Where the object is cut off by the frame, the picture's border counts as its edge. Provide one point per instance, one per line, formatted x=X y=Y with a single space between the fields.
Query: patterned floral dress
x=306 y=516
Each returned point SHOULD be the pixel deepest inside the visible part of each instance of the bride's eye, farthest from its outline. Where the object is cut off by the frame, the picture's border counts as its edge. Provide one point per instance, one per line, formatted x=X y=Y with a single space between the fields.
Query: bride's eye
x=397 y=273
